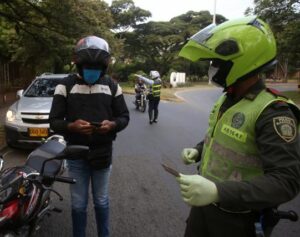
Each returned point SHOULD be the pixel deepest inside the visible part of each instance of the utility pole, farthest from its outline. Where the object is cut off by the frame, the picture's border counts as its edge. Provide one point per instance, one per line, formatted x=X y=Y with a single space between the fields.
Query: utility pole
x=214 y=12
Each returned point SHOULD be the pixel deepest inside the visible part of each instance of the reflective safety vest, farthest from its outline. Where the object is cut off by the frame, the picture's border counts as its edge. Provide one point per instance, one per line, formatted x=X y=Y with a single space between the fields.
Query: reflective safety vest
x=230 y=151
x=155 y=88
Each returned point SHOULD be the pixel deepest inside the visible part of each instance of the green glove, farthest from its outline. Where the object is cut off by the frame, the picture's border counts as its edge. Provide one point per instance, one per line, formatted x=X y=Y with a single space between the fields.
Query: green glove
x=197 y=190
x=189 y=155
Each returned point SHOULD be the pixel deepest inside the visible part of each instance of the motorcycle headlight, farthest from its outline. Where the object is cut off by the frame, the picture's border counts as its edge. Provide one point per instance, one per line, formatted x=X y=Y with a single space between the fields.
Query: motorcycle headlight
x=11 y=115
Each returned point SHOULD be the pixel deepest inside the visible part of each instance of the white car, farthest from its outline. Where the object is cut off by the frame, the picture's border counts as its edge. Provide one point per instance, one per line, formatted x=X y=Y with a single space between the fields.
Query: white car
x=26 y=123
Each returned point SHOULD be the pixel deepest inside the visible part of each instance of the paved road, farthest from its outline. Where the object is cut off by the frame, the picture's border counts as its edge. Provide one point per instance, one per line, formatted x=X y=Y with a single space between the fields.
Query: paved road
x=145 y=200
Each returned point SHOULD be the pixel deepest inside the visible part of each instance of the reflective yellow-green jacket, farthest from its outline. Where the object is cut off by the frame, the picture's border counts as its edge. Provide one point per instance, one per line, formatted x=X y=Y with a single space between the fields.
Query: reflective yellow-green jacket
x=230 y=151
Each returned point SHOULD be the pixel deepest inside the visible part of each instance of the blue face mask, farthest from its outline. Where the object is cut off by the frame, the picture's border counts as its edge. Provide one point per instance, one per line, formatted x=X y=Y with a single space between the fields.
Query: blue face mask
x=90 y=76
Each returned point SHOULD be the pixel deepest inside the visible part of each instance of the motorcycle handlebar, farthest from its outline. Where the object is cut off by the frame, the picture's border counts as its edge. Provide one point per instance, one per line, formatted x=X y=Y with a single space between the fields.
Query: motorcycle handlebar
x=290 y=215
x=60 y=179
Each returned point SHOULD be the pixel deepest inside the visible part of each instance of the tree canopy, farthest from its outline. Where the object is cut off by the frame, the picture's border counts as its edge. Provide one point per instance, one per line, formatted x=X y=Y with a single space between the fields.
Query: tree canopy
x=43 y=33
x=284 y=19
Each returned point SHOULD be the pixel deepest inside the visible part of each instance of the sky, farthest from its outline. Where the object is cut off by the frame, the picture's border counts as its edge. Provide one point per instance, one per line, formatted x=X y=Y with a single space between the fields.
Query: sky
x=164 y=10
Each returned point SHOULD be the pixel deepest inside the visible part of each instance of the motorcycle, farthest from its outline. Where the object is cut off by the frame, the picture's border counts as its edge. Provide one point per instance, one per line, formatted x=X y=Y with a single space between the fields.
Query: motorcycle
x=141 y=103
x=269 y=218
x=25 y=190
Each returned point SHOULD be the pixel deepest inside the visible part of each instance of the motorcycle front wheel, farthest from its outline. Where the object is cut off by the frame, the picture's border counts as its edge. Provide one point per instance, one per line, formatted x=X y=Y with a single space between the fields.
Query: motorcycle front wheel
x=144 y=106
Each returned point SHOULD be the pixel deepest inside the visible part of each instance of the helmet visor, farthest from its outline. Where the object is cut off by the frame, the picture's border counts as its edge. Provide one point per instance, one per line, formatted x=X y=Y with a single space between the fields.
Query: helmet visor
x=197 y=48
x=202 y=46
x=203 y=35
x=92 y=42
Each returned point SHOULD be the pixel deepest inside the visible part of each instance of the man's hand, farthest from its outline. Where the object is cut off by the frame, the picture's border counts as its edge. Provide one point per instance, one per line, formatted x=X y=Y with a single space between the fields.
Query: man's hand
x=106 y=126
x=189 y=155
x=81 y=126
x=197 y=190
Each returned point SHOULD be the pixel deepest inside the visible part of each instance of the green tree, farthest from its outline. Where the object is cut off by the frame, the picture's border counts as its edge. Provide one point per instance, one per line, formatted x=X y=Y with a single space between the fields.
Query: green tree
x=126 y=15
x=45 y=31
x=284 y=19
x=155 y=45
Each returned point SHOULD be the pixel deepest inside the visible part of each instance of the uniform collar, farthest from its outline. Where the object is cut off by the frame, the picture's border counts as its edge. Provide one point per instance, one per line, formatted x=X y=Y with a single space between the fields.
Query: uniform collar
x=252 y=92
x=255 y=90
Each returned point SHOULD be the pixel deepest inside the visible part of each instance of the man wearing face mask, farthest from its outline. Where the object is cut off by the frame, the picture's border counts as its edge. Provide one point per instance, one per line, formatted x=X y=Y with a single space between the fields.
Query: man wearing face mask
x=89 y=109
x=250 y=156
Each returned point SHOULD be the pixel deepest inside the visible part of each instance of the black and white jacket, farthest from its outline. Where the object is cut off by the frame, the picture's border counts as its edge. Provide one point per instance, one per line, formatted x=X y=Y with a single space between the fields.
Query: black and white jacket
x=74 y=99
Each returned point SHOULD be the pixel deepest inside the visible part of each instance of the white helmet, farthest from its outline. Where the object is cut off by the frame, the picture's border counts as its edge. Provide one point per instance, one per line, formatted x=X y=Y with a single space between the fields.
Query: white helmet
x=154 y=74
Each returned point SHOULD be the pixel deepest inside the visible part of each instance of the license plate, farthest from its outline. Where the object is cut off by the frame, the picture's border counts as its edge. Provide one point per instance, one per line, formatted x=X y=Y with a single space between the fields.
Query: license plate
x=38 y=132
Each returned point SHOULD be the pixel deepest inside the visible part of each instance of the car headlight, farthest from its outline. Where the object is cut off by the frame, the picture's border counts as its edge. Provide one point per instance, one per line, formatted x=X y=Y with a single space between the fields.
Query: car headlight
x=11 y=115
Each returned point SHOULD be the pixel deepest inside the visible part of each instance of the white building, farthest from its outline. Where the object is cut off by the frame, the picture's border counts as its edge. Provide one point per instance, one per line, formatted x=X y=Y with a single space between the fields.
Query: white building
x=177 y=77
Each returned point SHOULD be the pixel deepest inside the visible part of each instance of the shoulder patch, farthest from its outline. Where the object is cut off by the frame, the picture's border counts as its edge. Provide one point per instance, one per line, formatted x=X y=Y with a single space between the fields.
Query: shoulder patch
x=285 y=127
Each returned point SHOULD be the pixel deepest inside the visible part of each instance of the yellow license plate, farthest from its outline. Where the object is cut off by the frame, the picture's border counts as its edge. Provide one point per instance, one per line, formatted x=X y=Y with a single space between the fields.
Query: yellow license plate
x=38 y=132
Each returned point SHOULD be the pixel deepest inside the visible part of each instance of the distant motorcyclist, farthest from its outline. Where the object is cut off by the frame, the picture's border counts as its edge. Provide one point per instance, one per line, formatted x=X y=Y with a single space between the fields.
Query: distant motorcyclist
x=139 y=88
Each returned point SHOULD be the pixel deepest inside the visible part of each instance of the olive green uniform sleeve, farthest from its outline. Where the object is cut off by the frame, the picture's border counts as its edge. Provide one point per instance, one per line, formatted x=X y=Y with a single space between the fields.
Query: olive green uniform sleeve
x=279 y=151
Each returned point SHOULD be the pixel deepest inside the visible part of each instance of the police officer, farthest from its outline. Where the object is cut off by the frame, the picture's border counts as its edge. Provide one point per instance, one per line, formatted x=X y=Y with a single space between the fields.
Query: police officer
x=154 y=94
x=89 y=109
x=250 y=157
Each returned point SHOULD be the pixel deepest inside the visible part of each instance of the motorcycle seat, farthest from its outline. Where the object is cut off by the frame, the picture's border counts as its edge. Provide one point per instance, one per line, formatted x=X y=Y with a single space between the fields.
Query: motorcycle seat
x=46 y=151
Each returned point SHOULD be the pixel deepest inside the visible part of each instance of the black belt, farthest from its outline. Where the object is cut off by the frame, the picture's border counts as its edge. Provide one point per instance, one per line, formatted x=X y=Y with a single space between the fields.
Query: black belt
x=234 y=210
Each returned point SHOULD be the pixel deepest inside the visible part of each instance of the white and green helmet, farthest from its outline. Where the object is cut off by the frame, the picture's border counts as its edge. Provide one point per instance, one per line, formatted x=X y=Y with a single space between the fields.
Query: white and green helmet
x=239 y=48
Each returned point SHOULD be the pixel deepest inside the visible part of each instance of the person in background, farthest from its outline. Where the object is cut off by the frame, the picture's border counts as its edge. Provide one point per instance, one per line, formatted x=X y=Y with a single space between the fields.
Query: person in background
x=89 y=109
x=250 y=157
x=154 y=94
x=138 y=88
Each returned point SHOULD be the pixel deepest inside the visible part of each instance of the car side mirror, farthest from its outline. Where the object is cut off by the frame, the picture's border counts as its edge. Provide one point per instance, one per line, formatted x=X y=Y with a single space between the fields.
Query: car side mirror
x=20 y=93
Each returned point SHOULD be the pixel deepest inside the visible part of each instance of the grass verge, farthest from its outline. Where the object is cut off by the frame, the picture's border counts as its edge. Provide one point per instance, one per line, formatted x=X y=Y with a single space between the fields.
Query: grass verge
x=294 y=95
x=167 y=94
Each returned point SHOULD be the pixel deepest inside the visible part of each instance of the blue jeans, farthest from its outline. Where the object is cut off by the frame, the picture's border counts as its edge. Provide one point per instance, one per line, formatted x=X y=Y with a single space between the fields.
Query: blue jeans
x=84 y=173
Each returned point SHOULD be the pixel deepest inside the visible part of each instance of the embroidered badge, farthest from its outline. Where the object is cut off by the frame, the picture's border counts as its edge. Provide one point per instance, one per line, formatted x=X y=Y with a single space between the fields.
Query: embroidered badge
x=238 y=120
x=285 y=127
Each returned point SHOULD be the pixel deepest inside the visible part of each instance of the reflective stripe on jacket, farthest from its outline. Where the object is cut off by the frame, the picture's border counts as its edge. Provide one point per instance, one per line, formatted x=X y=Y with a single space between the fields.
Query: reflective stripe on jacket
x=230 y=151
x=155 y=88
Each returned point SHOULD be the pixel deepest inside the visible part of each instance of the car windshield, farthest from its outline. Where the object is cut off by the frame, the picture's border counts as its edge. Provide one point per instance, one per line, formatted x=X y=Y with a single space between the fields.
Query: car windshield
x=42 y=88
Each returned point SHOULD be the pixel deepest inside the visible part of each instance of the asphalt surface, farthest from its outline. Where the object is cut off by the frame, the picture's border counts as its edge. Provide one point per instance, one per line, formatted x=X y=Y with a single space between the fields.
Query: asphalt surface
x=145 y=200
